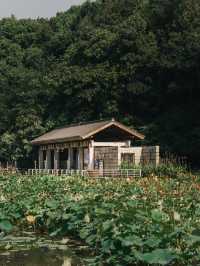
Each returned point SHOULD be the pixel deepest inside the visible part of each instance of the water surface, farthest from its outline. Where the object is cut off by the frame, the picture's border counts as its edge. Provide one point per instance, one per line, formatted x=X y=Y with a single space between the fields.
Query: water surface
x=35 y=251
x=39 y=257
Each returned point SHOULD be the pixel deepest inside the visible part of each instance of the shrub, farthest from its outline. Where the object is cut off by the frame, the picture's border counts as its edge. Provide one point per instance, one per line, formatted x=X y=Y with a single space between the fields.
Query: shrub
x=161 y=170
x=164 y=169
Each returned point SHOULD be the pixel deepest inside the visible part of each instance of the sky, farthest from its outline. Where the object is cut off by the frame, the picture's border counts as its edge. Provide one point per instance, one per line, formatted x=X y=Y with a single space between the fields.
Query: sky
x=34 y=8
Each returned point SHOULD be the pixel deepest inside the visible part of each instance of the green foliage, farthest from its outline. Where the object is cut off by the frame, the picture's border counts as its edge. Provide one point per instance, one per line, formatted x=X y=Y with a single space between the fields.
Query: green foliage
x=158 y=256
x=168 y=169
x=139 y=222
x=164 y=169
x=6 y=226
x=133 y=60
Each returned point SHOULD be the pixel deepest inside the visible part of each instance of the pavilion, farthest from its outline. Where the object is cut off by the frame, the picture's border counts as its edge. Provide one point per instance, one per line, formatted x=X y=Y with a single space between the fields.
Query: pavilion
x=91 y=146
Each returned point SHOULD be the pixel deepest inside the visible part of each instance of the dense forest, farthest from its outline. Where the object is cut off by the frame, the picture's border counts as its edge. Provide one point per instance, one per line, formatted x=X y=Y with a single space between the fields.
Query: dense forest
x=135 y=60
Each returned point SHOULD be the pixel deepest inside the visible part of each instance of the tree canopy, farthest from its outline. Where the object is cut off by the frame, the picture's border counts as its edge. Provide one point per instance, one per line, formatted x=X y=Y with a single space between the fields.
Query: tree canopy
x=135 y=60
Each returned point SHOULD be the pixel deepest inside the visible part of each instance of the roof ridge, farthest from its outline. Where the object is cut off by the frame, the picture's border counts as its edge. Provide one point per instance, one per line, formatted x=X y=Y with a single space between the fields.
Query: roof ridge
x=84 y=123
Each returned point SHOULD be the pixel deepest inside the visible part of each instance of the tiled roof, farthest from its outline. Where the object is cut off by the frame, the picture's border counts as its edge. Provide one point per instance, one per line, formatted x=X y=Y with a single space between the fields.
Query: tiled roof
x=81 y=132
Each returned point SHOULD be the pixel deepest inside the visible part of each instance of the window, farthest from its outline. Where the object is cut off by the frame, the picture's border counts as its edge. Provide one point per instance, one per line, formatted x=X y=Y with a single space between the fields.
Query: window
x=128 y=158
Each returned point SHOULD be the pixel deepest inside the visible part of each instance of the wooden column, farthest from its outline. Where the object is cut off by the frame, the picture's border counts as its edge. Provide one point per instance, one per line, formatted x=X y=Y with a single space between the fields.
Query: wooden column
x=56 y=159
x=157 y=148
x=91 y=156
x=69 y=159
x=48 y=160
x=119 y=156
x=80 y=162
x=41 y=159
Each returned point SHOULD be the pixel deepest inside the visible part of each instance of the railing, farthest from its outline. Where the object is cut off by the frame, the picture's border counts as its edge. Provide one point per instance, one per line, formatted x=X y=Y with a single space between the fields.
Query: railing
x=57 y=172
x=125 y=173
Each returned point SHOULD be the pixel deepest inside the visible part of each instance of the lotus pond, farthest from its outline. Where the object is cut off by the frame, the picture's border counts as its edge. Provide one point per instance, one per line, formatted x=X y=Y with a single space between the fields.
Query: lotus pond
x=148 y=221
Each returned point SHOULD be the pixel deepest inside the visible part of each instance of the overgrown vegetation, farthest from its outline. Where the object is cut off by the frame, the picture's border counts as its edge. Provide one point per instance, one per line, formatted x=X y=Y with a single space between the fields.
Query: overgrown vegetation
x=136 y=60
x=125 y=222
x=168 y=170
